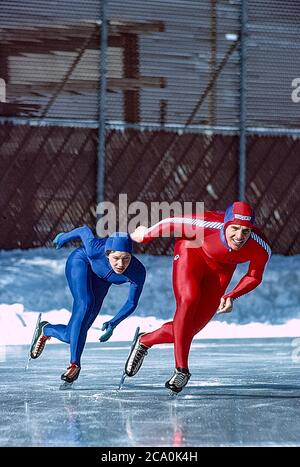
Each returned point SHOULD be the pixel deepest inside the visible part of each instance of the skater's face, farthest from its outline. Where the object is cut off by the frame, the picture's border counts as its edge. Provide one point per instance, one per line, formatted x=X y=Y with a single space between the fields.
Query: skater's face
x=236 y=236
x=119 y=261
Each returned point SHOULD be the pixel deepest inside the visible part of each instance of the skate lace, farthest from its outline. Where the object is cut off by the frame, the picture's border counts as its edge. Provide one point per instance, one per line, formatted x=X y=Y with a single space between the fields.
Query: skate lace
x=180 y=379
x=40 y=343
x=141 y=352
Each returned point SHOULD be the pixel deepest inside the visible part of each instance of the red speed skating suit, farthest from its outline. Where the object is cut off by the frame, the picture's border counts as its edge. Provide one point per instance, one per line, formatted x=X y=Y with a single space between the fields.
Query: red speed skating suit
x=201 y=276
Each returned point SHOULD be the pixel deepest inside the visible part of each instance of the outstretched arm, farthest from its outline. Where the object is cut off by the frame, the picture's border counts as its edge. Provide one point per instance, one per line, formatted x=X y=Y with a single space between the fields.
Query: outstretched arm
x=180 y=227
x=83 y=233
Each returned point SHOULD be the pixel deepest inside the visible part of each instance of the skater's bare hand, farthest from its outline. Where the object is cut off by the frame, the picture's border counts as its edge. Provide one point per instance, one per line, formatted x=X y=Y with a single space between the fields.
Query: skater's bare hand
x=138 y=234
x=226 y=305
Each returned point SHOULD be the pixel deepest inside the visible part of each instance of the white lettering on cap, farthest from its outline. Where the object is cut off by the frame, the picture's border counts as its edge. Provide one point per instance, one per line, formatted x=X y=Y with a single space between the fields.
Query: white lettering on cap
x=242 y=218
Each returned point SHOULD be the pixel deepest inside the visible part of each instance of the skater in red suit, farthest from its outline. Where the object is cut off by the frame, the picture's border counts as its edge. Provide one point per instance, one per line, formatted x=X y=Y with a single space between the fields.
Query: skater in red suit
x=200 y=278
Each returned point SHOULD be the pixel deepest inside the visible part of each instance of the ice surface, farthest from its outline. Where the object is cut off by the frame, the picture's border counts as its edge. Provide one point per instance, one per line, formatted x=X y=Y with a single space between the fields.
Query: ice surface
x=243 y=392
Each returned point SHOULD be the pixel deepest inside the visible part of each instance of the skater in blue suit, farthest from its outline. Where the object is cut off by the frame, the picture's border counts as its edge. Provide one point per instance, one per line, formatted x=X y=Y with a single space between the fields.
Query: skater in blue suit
x=90 y=270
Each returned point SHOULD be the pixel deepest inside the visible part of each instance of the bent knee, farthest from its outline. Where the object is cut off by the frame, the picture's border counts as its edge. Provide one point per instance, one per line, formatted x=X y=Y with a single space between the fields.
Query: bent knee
x=188 y=302
x=81 y=307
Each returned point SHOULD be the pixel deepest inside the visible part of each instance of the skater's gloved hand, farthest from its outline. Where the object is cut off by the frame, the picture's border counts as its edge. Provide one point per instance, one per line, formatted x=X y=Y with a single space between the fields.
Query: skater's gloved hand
x=58 y=240
x=109 y=331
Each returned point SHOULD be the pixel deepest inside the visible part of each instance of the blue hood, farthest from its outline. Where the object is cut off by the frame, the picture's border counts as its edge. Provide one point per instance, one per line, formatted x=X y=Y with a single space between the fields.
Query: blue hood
x=119 y=241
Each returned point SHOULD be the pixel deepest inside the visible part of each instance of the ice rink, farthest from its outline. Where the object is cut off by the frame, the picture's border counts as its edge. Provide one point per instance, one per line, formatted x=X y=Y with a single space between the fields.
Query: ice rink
x=243 y=392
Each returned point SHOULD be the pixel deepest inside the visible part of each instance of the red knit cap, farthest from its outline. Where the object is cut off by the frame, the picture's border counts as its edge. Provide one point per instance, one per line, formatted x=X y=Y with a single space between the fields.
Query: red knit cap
x=239 y=213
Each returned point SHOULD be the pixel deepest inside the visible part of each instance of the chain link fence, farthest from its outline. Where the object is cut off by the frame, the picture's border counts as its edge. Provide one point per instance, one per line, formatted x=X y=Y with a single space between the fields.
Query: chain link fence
x=164 y=101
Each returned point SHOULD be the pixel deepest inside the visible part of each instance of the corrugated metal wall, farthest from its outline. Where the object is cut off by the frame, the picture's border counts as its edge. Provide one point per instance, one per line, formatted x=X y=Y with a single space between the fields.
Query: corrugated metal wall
x=50 y=58
x=273 y=62
x=170 y=62
x=172 y=117
x=183 y=59
x=191 y=51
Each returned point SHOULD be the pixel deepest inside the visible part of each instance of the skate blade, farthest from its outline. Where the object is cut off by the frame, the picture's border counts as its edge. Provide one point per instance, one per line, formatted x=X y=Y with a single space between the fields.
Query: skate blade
x=137 y=331
x=122 y=381
x=32 y=341
x=27 y=364
x=65 y=386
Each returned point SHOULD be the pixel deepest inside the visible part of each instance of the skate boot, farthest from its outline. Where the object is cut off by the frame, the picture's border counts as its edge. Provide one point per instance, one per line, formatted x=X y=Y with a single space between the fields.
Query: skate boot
x=71 y=374
x=179 y=380
x=39 y=341
x=136 y=357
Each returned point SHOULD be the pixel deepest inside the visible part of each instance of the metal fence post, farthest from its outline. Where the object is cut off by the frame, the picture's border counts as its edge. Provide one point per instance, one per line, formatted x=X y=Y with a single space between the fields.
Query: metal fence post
x=102 y=102
x=243 y=102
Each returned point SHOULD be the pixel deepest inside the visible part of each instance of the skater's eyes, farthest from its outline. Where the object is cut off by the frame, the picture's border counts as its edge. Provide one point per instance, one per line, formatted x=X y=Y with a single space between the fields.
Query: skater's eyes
x=244 y=231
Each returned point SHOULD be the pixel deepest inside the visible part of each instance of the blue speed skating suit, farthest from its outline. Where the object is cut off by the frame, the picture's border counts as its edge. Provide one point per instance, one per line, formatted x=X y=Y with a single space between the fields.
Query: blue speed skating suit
x=90 y=276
